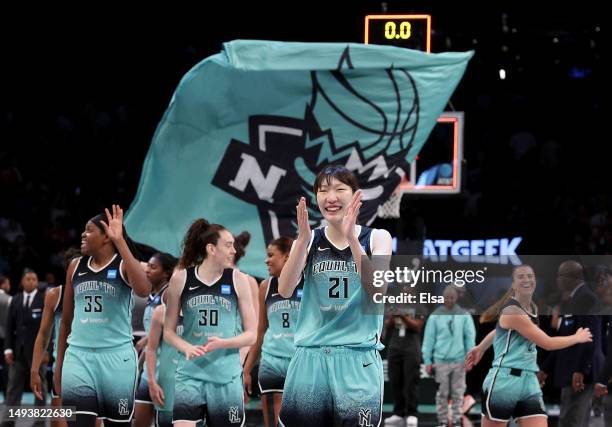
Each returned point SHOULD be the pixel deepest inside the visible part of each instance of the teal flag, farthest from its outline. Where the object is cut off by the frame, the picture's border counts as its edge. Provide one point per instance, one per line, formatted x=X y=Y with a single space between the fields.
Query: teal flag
x=248 y=129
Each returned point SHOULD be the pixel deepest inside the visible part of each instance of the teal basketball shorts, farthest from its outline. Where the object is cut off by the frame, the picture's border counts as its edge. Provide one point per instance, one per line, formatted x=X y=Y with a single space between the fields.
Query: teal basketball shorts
x=512 y=393
x=100 y=382
x=218 y=404
x=272 y=373
x=333 y=386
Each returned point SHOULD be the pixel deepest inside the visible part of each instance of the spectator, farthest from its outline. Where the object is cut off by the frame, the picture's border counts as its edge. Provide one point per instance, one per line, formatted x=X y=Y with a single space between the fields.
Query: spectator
x=404 y=362
x=23 y=321
x=449 y=335
x=575 y=368
x=5 y=300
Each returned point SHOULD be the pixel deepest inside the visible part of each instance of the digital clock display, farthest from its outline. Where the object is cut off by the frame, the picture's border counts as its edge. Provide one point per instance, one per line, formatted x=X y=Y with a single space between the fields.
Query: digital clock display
x=410 y=31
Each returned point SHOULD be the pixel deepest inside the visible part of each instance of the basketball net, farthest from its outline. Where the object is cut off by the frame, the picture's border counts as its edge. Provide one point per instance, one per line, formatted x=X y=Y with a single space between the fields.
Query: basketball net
x=391 y=208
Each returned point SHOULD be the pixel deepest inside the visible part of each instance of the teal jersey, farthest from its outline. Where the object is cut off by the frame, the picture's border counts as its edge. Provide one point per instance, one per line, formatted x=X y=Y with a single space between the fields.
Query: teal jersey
x=511 y=349
x=331 y=312
x=103 y=305
x=57 y=319
x=153 y=301
x=210 y=310
x=167 y=361
x=282 y=318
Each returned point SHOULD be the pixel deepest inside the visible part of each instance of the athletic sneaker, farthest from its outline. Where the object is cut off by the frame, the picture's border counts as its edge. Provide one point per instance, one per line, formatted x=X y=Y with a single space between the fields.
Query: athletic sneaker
x=412 y=421
x=395 y=420
x=468 y=403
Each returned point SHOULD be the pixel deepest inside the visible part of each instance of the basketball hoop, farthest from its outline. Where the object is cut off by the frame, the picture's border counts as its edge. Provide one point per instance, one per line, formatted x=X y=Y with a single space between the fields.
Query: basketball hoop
x=391 y=208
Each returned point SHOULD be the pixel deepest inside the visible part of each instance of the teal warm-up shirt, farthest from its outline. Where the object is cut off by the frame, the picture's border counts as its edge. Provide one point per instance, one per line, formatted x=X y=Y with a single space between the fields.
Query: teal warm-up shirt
x=449 y=335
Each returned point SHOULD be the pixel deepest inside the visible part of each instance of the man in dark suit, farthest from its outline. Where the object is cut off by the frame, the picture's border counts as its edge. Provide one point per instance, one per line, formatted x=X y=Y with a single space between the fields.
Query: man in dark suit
x=23 y=321
x=604 y=382
x=575 y=369
x=5 y=301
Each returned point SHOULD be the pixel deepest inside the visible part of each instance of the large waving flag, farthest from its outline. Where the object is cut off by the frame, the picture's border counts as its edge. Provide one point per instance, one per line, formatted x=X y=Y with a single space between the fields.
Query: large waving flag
x=247 y=130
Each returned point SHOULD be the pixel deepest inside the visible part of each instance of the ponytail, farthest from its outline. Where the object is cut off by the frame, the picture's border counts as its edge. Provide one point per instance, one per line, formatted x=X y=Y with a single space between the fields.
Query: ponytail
x=492 y=313
x=200 y=234
x=240 y=243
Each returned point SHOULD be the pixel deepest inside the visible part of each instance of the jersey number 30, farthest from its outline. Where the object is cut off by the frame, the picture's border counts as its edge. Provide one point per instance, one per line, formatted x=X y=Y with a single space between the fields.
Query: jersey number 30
x=209 y=317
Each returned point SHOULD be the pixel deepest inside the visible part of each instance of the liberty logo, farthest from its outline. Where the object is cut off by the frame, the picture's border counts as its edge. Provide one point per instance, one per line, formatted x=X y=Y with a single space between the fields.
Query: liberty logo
x=365 y=418
x=279 y=162
x=123 y=407
x=233 y=415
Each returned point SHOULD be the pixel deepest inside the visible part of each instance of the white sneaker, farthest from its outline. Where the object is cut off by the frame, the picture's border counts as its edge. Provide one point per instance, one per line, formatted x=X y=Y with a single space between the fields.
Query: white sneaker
x=394 y=420
x=412 y=421
x=468 y=404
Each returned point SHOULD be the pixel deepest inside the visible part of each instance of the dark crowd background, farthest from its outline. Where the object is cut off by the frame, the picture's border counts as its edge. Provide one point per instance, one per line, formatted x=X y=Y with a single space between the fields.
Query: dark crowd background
x=82 y=93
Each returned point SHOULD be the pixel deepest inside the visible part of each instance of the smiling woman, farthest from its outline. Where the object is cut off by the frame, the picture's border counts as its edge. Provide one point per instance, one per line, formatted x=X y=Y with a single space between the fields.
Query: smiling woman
x=212 y=297
x=97 y=372
x=335 y=341
x=275 y=332
x=511 y=388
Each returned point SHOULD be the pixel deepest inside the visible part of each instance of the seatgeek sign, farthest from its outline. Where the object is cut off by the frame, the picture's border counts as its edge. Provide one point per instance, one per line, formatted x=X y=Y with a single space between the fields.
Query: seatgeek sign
x=491 y=251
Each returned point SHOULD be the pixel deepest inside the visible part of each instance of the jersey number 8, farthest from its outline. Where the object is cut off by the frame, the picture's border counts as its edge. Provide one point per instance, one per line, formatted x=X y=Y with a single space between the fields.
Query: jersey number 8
x=285 y=317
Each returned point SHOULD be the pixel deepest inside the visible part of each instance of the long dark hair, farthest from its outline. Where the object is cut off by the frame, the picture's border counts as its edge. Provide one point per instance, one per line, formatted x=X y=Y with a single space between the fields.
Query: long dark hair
x=283 y=244
x=200 y=234
x=167 y=261
x=241 y=241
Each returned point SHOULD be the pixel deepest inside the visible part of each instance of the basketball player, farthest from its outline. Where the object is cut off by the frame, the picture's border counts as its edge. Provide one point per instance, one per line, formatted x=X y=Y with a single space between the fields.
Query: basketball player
x=159 y=270
x=210 y=294
x=50 y=322
x=275 y=332
x=511 y=388
x=162 y=360
x=241 y=241
x=335 y=376
x=97 y=373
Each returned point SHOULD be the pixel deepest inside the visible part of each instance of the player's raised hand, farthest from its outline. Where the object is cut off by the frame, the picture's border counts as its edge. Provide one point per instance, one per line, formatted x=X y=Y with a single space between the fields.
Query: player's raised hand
x=352 y=213
x=113 y=227
x=302 y=220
